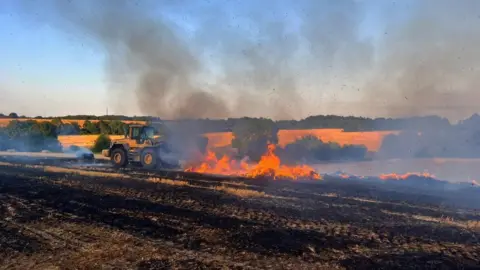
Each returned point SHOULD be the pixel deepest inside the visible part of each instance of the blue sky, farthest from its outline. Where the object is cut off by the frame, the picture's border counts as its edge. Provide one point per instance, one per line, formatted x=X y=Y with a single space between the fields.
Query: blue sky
x=44 y=71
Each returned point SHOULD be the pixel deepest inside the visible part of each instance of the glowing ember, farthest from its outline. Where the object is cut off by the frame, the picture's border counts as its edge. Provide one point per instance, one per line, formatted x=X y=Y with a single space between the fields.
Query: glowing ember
x=268 y=166
x=394 y=176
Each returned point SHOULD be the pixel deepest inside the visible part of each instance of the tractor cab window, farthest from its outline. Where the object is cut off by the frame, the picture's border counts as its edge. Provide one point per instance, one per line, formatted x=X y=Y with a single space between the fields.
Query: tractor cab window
x=135 y=133
x=149 y=133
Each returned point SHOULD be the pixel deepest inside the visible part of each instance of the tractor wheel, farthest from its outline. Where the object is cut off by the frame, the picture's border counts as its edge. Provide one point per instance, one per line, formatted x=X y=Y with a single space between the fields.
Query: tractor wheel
x=119 y=158
x=148 y=159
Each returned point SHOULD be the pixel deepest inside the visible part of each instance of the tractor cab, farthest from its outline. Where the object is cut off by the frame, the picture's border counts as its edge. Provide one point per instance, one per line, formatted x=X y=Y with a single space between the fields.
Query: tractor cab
x=140 y=145
x=143 y=145
x=141 y=134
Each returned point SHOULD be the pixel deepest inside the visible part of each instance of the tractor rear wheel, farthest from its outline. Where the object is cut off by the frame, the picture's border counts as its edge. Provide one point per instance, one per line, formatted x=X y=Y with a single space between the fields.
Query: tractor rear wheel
x=119 y=158
x=148 y=159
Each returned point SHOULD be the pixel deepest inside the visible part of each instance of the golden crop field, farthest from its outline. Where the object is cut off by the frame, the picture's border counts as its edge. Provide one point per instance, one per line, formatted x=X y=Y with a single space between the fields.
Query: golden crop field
x=371 y=139
x=4 y=121
x=82 y=140
x=219 y=139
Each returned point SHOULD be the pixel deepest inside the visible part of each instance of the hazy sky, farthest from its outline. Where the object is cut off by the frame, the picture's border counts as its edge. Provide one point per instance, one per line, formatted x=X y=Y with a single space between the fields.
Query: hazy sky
x=280 y=59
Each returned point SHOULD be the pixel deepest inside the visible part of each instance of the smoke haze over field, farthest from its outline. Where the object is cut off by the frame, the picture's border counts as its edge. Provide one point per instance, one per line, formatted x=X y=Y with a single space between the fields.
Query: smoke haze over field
x=184 y=59
x=431 y=61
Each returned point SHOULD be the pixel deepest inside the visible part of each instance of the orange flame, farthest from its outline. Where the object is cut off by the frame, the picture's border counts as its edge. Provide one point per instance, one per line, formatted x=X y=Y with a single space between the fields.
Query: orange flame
x=345 y=176
x=268 y=166
x=394 y=176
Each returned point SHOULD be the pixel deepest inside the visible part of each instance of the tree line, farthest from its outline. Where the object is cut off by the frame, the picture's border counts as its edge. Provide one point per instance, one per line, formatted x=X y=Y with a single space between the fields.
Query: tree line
x=457 y=141
x=34 y=135
x=29 y=136
x=251 y=137
x=423 y=137
x=348 y=123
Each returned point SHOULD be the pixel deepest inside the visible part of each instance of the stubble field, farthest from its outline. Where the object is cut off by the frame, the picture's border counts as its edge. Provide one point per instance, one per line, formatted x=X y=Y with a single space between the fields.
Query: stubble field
x=61 y=216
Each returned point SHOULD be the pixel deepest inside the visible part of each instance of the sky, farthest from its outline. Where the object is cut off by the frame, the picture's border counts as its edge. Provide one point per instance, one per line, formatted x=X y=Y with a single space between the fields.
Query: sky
x=50 y=69
x=45 y=72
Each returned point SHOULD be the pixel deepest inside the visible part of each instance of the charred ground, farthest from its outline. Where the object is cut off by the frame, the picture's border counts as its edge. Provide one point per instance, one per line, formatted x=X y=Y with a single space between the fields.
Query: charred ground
x=96 y=218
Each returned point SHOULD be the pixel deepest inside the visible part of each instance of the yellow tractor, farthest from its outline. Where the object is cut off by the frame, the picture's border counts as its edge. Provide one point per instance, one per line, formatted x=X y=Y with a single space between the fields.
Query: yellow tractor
x=141 y=146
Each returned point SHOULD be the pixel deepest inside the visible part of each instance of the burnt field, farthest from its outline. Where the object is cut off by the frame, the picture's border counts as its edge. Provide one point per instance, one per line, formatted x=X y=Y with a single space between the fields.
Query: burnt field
x=55 y=216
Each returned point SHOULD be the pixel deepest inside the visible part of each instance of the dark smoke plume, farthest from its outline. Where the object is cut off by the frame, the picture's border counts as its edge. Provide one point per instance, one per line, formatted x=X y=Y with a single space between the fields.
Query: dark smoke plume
x=144 y=54
x=288 y=60
x=261 y=69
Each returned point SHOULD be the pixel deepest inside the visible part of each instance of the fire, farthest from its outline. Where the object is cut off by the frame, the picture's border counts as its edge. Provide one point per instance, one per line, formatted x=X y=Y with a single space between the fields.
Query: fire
x=268 y=166
x=344 y=176
x=394 y=176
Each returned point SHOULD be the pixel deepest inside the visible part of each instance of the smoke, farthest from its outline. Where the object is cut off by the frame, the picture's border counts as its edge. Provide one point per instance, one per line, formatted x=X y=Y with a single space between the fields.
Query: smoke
x=428 y=63
x=217 y=59
x=79 y=152
x=145 y=57
x=241 y=59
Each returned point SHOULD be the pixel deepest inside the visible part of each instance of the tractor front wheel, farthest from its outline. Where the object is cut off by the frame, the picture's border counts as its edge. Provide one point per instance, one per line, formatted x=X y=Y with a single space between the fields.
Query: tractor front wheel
x=119 y=158
x=149 y=159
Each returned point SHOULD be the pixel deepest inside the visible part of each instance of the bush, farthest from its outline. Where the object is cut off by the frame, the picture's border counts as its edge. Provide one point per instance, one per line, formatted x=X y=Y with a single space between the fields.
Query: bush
x=251 y=136
x=90 y=128
x=104 y=127
x=74 y=148
x=117 y=127
x=102 y=142
x=30 y=136
x=311 y=149
x=68 y=129
x=3 y=139
x=407 y=144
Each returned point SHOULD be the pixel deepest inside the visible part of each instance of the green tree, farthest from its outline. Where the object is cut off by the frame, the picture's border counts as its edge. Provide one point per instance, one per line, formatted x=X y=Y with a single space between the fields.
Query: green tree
x=68 y=129
x=310 y=148
x=309 y=142
x=76 y=128
x=251 y=136
x=47 y=129
x=102 y=142
x=17 y=128
x=57 y=121
x=104 y=127
x=31 y=136
x=90 y=128
x=117 y=127
x=3 y=139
